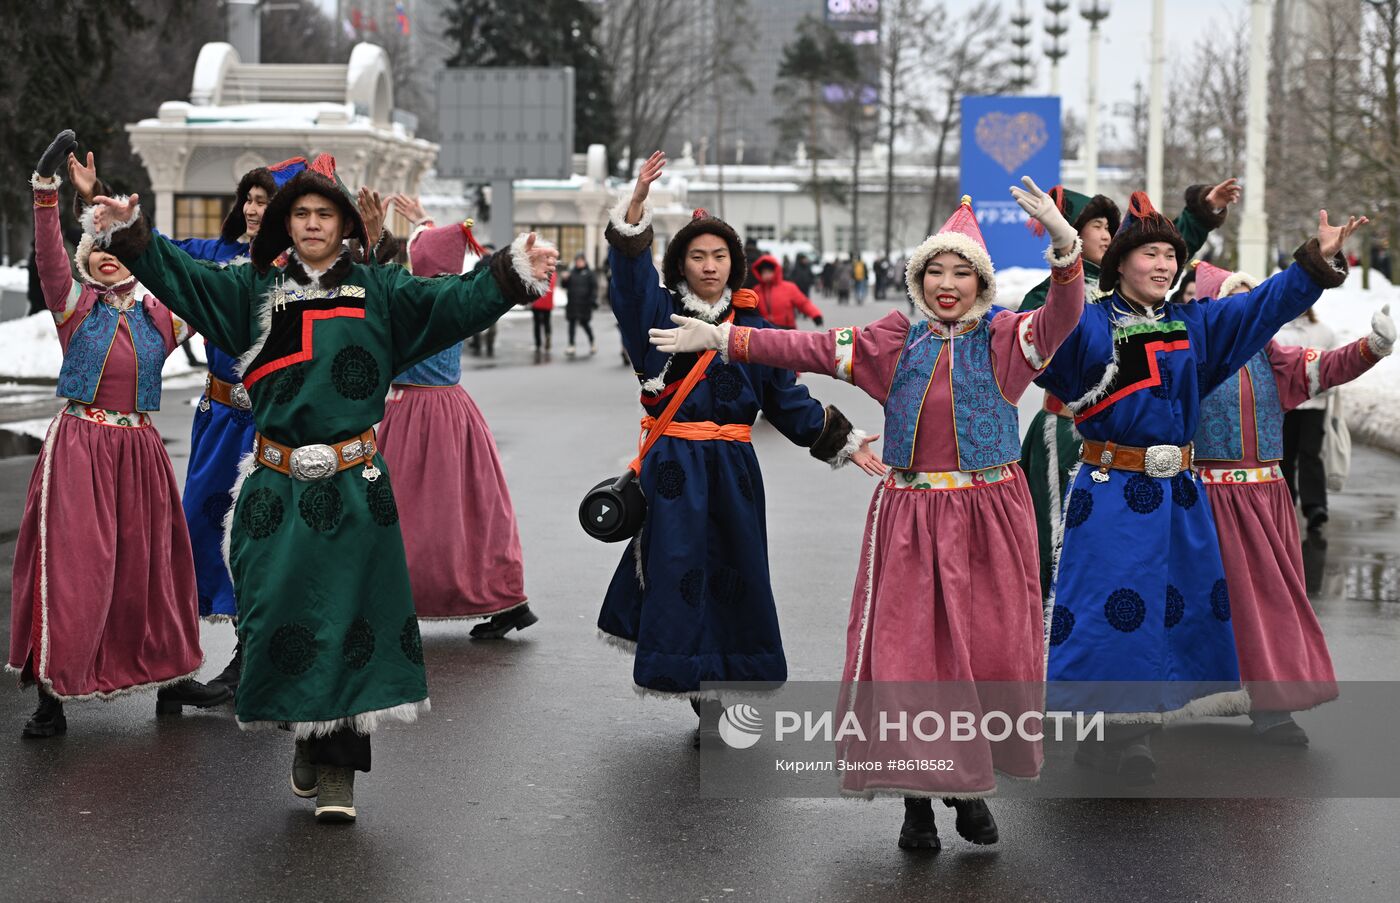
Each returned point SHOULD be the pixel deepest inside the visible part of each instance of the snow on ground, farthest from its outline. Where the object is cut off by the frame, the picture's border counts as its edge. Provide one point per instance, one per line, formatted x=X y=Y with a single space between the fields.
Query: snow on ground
x=1372 y=403
x=16 y=279
x=29 y=349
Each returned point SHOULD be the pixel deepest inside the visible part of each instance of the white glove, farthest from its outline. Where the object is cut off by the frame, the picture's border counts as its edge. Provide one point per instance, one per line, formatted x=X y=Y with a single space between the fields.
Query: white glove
x=690 y=335
x=1038 y=205
x=1382 y=338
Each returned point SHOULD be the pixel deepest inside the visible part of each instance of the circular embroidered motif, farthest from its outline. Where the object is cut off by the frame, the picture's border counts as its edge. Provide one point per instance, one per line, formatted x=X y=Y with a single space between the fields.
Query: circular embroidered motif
x=1081 y=505
x=214 y=508
x=745 y=485
x=381 y=502
x=1125 y=610
x=1184 y=492
x=727 y=586
x=1220 y=600
x=726 y=382
x=358 y=645
x=1176 y=606
x=1163 y=390
x=1142 y=493
x=670 y=479
x=260 y=513
x=693 y=586
x=320 y=506
x=293 y=648
x=1061 y=625
x=411 y=641
x=354 y=373
x=241 y=418
x=289 y=383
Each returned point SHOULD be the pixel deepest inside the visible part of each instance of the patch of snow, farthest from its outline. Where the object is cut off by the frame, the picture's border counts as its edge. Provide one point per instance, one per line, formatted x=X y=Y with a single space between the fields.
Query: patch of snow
x=14 y=278
x=1372 y=402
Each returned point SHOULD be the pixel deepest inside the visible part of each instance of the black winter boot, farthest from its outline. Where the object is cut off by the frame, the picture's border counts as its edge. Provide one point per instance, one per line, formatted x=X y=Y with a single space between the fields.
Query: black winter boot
x=229 y=677
x=48 y=719
x=172 y=700
x=975 y=823
x=918 y=831
x=707 y=734
x=516 y=619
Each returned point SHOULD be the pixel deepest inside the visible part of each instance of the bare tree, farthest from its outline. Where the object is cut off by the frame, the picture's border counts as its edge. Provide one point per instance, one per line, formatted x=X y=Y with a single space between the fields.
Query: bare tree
x=732 y=41
x=972 y=60
x=906 y=38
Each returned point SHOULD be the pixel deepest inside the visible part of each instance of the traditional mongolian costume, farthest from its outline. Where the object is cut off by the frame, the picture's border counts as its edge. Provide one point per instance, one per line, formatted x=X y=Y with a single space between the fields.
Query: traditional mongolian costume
x=692 y=599
x=330 y=639
x=1239 y=441
x=459 y=528
x=1051 y=447
x=103 y=600
x=1140 y=597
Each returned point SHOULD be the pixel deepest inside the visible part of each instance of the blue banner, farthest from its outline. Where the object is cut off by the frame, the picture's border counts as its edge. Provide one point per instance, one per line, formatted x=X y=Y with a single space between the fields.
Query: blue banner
x=1004 y=138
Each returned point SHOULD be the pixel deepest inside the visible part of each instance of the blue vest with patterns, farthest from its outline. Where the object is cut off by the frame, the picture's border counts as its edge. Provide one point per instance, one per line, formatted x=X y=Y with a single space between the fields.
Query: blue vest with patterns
x=87 y=352
x=442 y=369
x=1220 y=436
x=985 y=424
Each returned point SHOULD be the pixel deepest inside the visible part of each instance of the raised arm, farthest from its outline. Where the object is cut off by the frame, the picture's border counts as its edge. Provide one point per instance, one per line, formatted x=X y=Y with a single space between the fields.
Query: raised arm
x=429 y=314
x=1303 y=373
x=1205 y=211
x=638 y=299
x=217 y=301
x=61 y=290
x=1237 y=327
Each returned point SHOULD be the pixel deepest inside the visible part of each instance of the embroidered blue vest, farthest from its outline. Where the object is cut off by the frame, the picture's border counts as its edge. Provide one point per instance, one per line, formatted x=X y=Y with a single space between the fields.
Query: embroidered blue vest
x=1220 y=435
x=985 y=424
x=92 y=342
x=442 y=369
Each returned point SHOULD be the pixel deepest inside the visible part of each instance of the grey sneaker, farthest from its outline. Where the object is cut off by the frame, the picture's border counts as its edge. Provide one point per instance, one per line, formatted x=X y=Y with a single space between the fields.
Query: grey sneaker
x=335 y=801
x=304 y=782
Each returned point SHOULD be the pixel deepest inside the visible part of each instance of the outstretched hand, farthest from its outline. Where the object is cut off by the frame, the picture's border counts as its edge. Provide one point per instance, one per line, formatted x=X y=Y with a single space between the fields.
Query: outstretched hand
x=1041 y=207
x=409 y=207
x=1330 y=238
x=109 y=212
x=867 y=460
x=543 y=258
x=84 y=178
x=1382 y=337
x=372 y=214
x=690 y=335
x=1223 y=195
x=651 y=171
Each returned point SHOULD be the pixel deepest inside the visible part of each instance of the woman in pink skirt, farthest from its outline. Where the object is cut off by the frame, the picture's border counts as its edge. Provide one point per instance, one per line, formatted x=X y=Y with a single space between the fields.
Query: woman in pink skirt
x=1283 y=656
x=459 y=530
x=104 y=599
x=947 y=594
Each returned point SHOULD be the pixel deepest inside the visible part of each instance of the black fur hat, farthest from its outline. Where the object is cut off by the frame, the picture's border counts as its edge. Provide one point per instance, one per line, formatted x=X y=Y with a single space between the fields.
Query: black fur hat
x=701 y=223
x=235 y=226
x=274 y=238
x=1143 y=225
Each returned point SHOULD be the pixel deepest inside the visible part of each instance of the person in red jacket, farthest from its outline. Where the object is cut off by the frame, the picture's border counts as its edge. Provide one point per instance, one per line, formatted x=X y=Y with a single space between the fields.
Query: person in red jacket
x=543 y=309
x=778 y=299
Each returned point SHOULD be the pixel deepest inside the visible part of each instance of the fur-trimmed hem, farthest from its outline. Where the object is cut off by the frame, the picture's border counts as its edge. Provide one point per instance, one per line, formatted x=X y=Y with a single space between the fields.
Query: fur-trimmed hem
x=262 y=322
x=362 y=723
x=1100 y=389
x=835 y=438
x=717 y=695
x=490 y=614
x=1070 y=257
x=1326 y=273
x=1228 y=703
x=965 y=248
x=628 y=647
x=520 y=261
x=116 y=694
x=34 y=182
x=1199 y=208
x=219 y=619
x=868 y=602
x=103 y=237
x=853 y=443
x=617 y=218
x=246 y=466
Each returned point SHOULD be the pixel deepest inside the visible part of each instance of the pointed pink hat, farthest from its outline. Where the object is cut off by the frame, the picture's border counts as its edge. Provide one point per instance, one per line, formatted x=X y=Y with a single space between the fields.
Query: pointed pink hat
x=1215 y=282
x=442 y=249
x=961 y=235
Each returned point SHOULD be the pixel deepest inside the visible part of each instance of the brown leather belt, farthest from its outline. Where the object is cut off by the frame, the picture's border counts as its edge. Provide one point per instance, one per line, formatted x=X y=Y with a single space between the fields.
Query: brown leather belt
x=317 y=462
x=1057 y=407
x=1160 y=461
x=231 y=394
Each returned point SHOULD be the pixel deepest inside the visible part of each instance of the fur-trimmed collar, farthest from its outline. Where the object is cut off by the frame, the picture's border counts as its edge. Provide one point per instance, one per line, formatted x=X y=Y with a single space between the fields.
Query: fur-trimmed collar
x=706 y=311
x=330 y=277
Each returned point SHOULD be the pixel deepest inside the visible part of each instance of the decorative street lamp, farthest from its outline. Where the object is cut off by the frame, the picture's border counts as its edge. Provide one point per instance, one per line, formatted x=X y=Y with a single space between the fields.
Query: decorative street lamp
x=1095 y=11
x=1055 y=48
x=1021 y=38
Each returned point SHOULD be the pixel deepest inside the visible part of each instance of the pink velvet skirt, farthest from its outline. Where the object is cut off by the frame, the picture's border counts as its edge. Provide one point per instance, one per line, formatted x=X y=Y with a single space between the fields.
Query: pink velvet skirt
x=459 y=529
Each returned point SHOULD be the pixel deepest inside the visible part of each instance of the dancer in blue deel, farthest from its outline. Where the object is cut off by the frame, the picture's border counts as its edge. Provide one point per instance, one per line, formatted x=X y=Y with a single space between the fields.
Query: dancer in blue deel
x=223 y=424
x=692 y=598
x=1140 y=610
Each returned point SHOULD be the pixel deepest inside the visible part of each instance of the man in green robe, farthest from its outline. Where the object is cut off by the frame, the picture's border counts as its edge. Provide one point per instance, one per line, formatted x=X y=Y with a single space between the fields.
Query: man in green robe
x=326 y=619
x=1051 y=446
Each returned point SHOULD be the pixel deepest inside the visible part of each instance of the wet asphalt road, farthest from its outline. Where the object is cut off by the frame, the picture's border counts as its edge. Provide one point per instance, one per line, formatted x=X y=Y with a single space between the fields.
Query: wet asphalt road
x=540 y=776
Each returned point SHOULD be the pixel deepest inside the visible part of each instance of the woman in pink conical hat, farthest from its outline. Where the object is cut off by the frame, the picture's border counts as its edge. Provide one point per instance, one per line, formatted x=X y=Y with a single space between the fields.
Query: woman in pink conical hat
x=948 y=592
x=459 y=528
x=1283 y=655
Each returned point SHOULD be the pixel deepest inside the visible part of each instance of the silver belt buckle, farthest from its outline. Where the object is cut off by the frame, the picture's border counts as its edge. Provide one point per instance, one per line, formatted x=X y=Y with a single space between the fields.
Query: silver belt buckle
x=238 y=396
x=313 y=462
x=1162 y=461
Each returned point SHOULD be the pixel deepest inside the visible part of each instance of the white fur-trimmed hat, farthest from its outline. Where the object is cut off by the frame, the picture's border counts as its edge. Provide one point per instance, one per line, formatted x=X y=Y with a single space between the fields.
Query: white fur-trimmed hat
x=1216 y=282
x=961 y=235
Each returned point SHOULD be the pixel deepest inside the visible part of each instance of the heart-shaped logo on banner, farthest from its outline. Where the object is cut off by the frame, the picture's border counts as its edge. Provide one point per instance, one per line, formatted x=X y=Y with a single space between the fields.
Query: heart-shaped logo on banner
x=1011 y=140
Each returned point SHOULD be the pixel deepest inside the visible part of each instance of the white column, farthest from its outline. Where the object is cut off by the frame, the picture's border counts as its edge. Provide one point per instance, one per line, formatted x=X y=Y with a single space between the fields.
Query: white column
x=1254 y=227
x=1091 y=125
x=165 y=211
x=1155 y=102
